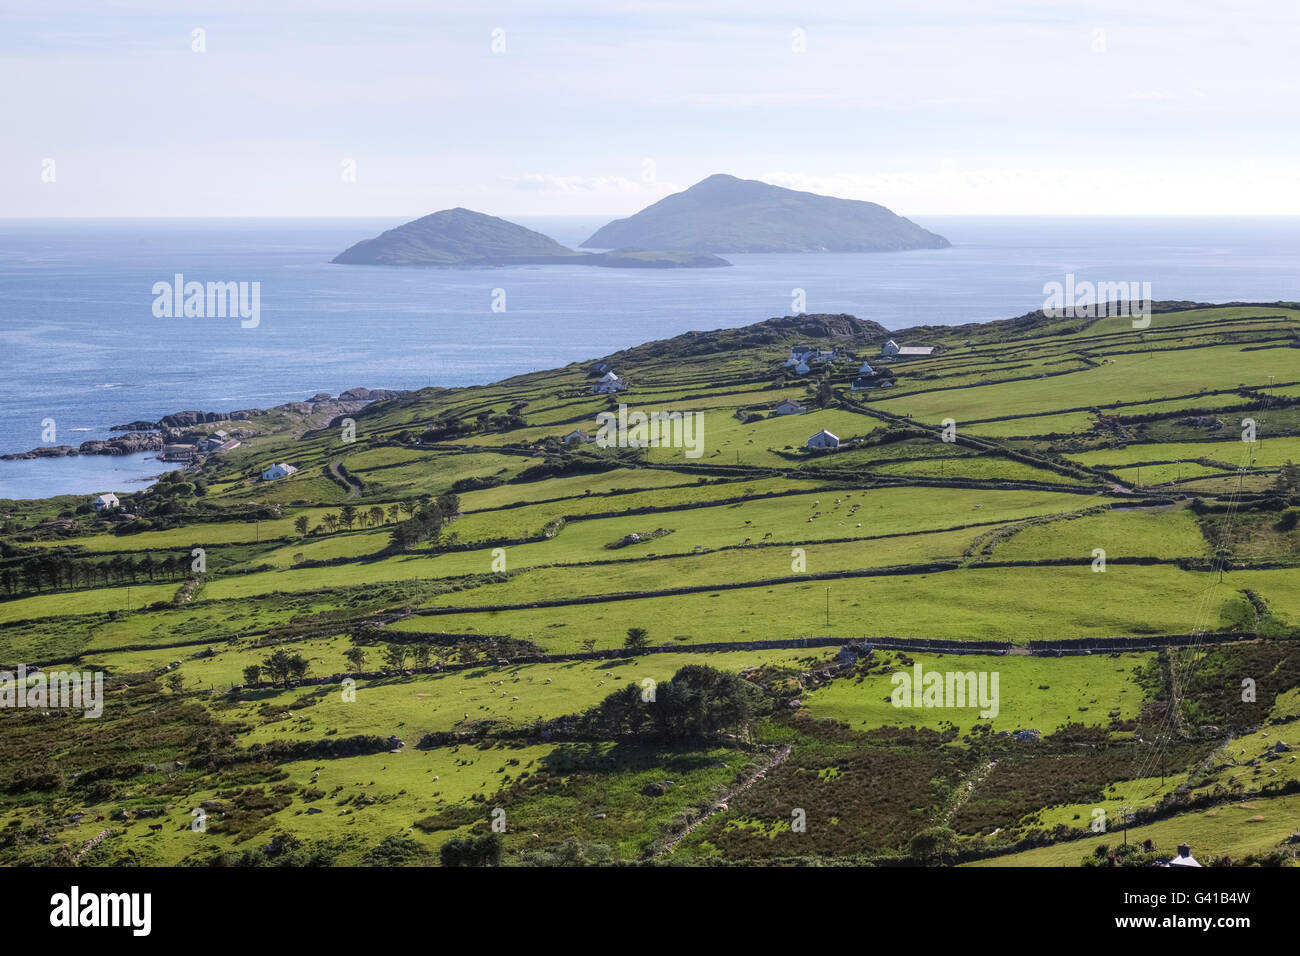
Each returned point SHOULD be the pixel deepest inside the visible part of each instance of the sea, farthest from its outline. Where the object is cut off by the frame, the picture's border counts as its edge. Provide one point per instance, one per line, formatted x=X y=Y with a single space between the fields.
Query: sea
x=81 y=348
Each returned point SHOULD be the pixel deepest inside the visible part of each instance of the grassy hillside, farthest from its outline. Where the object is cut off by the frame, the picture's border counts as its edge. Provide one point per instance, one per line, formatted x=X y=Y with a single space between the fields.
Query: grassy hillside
x=1074 y=508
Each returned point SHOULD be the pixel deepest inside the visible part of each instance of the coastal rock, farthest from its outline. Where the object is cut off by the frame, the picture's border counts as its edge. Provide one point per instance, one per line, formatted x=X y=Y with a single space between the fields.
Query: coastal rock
x=189 y=419
x=360 y=394
x=128 y=444
x=48 y=451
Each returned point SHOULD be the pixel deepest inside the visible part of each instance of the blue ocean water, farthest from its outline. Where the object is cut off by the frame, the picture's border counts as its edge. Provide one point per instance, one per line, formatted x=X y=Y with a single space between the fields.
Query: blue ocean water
x=79 y=342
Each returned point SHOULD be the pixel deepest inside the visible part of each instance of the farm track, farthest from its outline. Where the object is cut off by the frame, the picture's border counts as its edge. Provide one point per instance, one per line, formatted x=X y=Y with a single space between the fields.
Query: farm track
x=354 y=490
x=964 y=791
x=723 y=802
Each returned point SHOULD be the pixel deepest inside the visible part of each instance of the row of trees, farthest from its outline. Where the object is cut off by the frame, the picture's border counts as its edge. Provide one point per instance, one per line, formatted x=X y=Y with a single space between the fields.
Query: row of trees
x=281 y=667
x=60 y=571
x=395 y=656
x=421 y=510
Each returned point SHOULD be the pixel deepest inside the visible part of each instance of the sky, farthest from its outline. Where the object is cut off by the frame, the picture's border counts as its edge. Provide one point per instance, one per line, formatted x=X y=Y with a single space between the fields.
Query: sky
x=143 y=108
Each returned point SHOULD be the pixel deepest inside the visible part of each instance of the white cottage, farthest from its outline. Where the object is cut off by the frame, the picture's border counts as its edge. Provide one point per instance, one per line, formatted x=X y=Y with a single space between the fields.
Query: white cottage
x=106 y=502
x=789 y=407
x=608 y=384
x=824 y=439
x=279 y=470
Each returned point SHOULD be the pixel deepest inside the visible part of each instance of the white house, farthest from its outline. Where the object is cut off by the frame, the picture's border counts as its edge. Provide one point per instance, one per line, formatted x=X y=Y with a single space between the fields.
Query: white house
x=892 y=350
x=279 y=470
x=802 y=368
x=866 y=369
x=577 y=435
x=789 y=407
x=1184 y=857
x=106 y=502
x=609 y=383
x=824 y=439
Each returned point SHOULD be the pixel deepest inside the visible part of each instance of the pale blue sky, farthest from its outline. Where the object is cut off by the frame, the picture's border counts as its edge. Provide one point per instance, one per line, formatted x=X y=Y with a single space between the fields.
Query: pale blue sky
x=598 y=108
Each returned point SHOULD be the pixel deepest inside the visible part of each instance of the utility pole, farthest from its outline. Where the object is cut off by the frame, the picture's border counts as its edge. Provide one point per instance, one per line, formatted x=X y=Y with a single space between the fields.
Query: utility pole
x=828 y=608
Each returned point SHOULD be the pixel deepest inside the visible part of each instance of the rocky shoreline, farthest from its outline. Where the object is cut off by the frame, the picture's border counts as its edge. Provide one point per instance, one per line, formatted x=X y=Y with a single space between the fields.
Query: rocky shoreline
x=143 y=436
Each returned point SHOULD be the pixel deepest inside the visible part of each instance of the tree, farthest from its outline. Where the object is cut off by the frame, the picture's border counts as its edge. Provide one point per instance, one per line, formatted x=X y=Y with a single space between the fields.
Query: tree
x=623 y=712
x=395 y=656
x=356 y=656
x=298 y=666
x=252 y=674
x=422 y=653
x=300 y=525
x=331 y=521
x=701 y=701
x=348 y=516
x=285 y=667
x=637 y=639
x=589 y=644
x=376 y=515
x=932 y=844
x=483 y=850
x=425 y=524
x=824 y=394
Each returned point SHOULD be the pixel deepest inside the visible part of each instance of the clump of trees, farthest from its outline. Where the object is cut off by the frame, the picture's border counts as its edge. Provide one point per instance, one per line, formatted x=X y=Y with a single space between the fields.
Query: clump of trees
x=425 y=521
x=699 y=701
x=482 y=850
x=284 y=667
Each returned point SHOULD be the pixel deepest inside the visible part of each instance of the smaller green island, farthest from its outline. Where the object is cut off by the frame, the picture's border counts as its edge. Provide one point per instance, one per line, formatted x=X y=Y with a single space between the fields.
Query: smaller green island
x=462 y=237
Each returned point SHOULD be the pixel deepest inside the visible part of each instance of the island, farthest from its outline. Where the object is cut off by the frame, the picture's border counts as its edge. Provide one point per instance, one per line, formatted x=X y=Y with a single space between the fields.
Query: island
x=462 y=237
x=723 y=214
